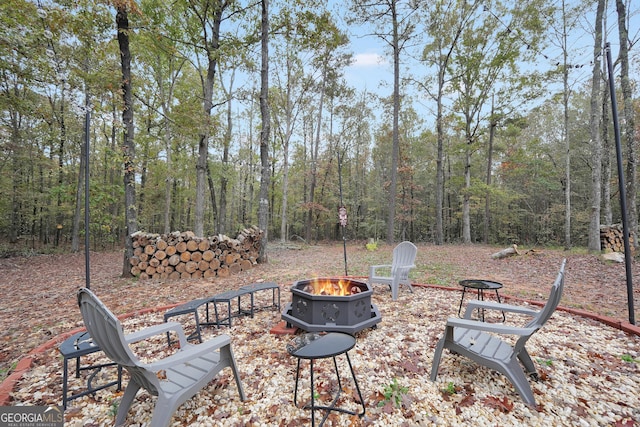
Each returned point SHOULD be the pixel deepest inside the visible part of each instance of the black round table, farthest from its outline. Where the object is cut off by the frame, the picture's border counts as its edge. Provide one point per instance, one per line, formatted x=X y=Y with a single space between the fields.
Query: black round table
x=480 y=286
x=314 y=346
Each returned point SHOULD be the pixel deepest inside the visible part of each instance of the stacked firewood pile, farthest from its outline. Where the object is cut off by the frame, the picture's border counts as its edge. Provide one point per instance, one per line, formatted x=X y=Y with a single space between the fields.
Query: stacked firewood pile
x=182 y=255
x=612 y=238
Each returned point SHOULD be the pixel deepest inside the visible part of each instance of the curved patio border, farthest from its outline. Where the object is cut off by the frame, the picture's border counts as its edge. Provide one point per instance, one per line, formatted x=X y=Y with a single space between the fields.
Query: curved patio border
x=7 y=386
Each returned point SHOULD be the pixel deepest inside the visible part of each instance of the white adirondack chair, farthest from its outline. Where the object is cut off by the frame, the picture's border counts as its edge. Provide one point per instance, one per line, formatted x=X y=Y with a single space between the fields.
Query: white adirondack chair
x=174 y=379
x=481 y=341
x=396 y=273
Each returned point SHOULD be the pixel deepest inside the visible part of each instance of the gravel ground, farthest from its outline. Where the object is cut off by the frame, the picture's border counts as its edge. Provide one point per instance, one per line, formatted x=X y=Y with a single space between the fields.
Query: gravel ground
x=589 y=372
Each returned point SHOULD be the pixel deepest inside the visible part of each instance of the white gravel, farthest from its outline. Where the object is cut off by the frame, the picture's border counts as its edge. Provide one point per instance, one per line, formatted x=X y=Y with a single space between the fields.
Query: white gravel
x=590 y=376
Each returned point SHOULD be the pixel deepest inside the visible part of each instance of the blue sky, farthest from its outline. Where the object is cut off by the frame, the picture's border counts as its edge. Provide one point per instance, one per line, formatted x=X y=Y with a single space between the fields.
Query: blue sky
x=372 y=63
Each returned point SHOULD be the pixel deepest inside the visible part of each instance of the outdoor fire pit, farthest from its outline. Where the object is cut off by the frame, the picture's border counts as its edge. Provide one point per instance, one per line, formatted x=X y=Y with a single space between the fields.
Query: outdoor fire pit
x=331 y=305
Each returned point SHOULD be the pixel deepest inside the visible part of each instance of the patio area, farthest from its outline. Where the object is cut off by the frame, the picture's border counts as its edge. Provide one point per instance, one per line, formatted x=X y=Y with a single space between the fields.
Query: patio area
x=590 y=374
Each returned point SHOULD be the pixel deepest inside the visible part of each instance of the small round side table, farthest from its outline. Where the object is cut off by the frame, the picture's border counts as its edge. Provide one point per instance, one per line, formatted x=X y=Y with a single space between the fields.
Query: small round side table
x=314 y=346
x=480 y=286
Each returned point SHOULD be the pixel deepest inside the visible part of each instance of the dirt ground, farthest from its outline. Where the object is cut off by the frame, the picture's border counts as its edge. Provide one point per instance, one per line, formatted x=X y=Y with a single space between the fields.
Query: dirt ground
x=38 y=293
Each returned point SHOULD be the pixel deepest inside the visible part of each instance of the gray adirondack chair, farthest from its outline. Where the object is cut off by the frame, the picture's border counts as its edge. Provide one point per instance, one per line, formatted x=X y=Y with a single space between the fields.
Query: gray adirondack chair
x=174 y=379
x=404 y=257
x=481 y=341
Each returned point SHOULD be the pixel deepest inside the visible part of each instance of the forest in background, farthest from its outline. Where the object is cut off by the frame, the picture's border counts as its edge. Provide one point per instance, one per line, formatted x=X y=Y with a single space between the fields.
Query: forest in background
x=480 y=136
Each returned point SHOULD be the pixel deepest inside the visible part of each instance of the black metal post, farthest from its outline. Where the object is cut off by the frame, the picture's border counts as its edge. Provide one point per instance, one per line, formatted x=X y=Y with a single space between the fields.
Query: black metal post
x=344 y=239
x=621 y=187
x=87 y=122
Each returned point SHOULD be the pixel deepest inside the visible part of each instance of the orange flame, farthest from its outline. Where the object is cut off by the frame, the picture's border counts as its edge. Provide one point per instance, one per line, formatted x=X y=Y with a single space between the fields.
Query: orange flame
x=335 y=287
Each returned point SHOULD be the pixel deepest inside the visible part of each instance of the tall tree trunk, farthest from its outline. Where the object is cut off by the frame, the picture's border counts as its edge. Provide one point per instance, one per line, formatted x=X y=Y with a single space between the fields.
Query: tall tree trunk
x=128 y=146
x=75 y=231
x=628 y=123
x=285 y=152
x=594 y=133
x=263 y=209
x=606 y=151
x=396 y=132
x=222 y=214
x=212 y=47
x=62 y=142
x=315 y=148
x=565 y=136
x=487 y=202
x=466 y=198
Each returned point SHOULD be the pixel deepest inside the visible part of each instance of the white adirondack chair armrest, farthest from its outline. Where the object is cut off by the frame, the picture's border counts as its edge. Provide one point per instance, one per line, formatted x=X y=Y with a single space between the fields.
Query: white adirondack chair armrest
x=490 y=305
x=189 y=352
x=158 y=329
x=498 y=328
x=374 y=268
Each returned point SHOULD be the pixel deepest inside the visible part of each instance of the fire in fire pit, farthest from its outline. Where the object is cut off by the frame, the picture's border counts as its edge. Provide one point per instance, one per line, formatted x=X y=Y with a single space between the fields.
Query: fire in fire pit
x=335 y=287
x=331 y=305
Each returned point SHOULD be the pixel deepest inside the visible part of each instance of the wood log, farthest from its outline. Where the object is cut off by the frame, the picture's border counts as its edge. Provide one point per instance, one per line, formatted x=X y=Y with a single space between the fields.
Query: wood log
x=191 y=267
x=245 y=264
x=174 y=260
x=204 y=245
x=158 y=256
x=181 y=247
x=214 y=264
x=223 y=271
x=513 y=250
x=208 y=255
x=235 y=268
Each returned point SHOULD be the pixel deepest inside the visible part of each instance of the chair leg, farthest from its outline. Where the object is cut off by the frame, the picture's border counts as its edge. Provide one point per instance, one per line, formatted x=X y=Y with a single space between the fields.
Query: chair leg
x=126 y=401
x=525 y=359
x=227 y=352
x=394 y=290
x=163 y=412
x=436 y=359
x=516 y=375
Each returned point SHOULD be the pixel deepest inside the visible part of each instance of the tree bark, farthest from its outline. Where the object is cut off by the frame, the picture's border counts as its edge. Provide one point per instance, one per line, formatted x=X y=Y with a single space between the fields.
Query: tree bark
x=128 y=146
x=628 y=122
x=263 y=208
x=211 y=47
x=395 y=131
x=594 y=132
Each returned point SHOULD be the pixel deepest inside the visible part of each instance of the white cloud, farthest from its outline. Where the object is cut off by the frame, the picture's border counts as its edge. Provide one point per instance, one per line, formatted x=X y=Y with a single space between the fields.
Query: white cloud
x=368 y=60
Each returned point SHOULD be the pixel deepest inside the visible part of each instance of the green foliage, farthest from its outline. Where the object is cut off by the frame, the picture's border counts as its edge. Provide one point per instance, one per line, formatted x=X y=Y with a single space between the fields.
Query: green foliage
x=113 y=407
x=393 y=393
x=547 y=362
x=450 y=388
x=629 y=358
x=372 y=245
